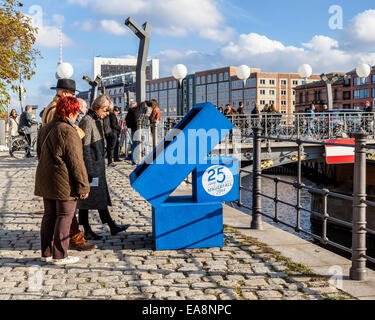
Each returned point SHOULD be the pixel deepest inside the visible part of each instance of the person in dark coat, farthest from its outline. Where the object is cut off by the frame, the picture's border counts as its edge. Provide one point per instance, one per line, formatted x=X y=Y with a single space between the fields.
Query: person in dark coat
x=131 y=122
x=112 y=131
x=94 y=156
x=61 y=178
x=25 y=127
x=241 y=109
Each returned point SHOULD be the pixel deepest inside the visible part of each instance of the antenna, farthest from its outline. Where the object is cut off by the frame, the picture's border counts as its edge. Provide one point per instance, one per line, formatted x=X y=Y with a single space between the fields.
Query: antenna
x=61 y=44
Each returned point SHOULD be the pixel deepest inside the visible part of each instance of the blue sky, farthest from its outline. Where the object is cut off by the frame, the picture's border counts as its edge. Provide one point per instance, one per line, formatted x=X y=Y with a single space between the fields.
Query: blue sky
x=272 y=35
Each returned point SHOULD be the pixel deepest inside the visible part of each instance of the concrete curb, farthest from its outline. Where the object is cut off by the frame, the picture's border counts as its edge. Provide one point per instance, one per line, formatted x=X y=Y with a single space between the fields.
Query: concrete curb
x=319 y=260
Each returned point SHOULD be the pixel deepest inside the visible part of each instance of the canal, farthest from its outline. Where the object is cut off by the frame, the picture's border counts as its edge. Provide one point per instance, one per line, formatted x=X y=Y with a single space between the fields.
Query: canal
x=288 y=193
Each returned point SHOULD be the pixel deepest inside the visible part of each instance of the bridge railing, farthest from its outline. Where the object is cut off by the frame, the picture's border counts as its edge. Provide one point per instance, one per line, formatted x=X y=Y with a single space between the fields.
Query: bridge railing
x=359 y=202
x=319 y=126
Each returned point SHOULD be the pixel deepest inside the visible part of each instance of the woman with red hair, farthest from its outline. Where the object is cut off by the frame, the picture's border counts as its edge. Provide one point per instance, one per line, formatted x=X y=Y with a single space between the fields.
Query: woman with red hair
x=61 y=179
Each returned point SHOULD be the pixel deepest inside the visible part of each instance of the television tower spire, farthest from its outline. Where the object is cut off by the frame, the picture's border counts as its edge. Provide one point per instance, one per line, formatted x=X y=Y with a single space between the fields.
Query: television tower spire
x=61 y=44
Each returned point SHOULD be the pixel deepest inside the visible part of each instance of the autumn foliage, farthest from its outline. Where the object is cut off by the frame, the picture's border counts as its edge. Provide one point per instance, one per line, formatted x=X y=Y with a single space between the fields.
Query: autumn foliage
x=17 y=55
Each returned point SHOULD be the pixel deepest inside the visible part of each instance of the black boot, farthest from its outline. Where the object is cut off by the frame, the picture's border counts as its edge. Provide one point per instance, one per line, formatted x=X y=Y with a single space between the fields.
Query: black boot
x=89 y=234
x=115 y=228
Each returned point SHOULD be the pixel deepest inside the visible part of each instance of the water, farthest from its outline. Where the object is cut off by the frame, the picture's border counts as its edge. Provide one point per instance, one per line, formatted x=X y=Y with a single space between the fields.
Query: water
x=286 y=193
x=288 y=214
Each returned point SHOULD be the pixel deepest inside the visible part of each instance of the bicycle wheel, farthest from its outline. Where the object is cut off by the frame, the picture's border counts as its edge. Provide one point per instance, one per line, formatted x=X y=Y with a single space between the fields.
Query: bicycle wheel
x=18 y=147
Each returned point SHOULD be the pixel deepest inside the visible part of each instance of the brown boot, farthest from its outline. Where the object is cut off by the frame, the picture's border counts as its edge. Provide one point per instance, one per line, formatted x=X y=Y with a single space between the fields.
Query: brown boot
x=82 y=247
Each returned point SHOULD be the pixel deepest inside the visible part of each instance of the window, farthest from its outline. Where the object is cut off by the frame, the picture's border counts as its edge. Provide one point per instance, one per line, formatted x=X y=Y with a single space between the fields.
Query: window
x=220 y=77
x=272 y=92
x=373 y=92
x=361 y=81
x=346 y=95
x=283 y=92
x=272 y=82
x=262 y=102
x=203 y=80
x=295 y=82
x=226 y=76
x=361 y=94
x=262 y=92
x=262 y=81
x=198 y=80
x=209 y=79
x=214 y=78
x=272 y=101
x=283 y=102
x=283 y=82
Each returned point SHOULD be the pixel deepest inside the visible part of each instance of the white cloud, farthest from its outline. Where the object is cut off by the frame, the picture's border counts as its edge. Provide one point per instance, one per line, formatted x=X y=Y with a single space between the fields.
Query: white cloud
x=48 y=35
x=360 y=32
x=108 y=26
x=174 y=18
x=114 y=27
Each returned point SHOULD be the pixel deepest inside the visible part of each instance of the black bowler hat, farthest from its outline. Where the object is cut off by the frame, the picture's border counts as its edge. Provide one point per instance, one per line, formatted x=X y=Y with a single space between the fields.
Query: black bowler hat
x=66 y=84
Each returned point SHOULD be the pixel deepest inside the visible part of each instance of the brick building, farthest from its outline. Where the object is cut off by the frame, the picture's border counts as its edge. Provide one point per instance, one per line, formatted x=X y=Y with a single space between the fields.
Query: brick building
x=349 y=93
x=221 y=87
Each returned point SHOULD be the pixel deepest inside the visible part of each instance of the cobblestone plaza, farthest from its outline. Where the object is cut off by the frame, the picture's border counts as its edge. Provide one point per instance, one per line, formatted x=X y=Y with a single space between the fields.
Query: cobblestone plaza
x=126 y=266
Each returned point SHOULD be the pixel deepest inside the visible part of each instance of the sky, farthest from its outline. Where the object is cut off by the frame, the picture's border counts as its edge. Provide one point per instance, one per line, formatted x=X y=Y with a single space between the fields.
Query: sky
x=276 y=36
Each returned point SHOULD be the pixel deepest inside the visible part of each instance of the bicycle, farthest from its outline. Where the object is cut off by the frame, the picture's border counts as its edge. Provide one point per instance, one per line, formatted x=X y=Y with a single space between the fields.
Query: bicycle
x=19 y=146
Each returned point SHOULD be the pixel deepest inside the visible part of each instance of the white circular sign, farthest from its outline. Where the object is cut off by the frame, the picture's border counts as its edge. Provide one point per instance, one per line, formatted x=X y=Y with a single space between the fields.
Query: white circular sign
x=217 y=181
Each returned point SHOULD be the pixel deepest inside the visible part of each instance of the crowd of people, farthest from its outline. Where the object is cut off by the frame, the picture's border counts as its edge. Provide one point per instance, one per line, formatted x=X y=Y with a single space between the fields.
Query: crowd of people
x=72 y=148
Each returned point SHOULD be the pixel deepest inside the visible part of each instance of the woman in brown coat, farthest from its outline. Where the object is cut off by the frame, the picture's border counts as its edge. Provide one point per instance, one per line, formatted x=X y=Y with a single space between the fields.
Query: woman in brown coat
x=61 y=179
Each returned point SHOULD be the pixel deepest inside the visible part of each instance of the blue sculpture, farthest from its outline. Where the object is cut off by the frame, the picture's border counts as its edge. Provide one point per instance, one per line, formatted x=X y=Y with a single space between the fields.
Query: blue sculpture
x=191 y=221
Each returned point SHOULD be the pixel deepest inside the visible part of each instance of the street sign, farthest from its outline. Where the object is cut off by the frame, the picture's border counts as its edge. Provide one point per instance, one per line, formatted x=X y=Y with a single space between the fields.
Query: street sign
x=340 y=154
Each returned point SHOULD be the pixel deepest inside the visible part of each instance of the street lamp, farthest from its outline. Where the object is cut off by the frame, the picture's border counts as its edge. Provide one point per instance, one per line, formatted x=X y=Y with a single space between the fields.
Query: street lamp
x=64 y=71
x=179 y=72
x=328 y=82
x=94 y=86
x=144 y=35
x=243 y=73
x=305 y=71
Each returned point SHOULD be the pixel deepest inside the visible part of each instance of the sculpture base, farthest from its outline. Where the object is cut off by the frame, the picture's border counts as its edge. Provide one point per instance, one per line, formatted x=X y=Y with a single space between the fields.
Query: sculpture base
x=180 y=223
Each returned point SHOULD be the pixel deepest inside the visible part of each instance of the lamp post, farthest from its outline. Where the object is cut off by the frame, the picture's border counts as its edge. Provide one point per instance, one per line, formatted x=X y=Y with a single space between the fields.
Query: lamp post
x=243 y=73
x=94 y=87
x=64 y=71
x=363 y=71
x=144 y=35
x=305 y=71
x=179 y=72
x=328 y=82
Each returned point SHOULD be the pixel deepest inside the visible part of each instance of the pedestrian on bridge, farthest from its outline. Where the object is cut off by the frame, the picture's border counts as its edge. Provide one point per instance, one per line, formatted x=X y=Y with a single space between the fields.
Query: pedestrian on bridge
x=310 y=130
x=61 y=179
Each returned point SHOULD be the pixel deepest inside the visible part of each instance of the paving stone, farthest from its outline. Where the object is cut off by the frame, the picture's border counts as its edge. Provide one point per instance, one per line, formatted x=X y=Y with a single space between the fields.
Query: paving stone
x=268 y=294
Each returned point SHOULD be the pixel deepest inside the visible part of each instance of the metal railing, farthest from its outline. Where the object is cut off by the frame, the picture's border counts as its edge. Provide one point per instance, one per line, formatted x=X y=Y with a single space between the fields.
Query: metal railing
x=319 y=126
x=360 y=203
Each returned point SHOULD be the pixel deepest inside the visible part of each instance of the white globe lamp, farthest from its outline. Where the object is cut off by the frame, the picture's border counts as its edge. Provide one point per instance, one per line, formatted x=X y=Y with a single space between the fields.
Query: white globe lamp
x=65 y=70
x=243 y=73
x=179 y=72
x=305 y=71
x=363 y=70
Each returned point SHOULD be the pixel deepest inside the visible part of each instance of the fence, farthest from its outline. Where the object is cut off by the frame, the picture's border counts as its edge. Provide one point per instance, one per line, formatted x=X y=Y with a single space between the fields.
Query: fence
x=358 y=224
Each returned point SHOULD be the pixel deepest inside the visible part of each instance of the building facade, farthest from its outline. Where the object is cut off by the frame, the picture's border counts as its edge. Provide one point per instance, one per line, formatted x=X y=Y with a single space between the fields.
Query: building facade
x=348 y=93
x=107 y=67
x=221 y=87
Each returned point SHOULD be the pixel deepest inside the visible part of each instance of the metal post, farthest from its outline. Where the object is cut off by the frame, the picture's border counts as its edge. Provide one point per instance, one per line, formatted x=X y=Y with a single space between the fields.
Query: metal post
x=154 y=133
x=358 y=270
x=256 y=222
x=144 y=35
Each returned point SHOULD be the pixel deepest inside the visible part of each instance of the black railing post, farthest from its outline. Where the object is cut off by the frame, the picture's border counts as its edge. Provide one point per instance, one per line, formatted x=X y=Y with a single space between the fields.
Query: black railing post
x=256 y=222
x=358 y=270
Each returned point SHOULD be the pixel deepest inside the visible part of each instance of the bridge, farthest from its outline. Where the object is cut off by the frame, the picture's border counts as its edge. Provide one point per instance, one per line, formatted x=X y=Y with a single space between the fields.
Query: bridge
x=295 y=133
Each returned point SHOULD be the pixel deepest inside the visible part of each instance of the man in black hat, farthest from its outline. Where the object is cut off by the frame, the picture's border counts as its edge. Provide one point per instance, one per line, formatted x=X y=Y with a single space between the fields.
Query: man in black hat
x=64 y=88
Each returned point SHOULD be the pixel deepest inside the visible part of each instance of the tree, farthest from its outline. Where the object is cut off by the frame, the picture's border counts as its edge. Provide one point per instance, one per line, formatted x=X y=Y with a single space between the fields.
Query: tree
x=17 y=55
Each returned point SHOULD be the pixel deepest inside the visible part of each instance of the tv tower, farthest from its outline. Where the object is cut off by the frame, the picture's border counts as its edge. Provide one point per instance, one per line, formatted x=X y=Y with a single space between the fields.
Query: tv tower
x=64 y=69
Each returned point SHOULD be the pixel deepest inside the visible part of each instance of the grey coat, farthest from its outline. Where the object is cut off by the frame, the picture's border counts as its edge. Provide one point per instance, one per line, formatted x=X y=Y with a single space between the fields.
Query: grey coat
x=26 y=123
x=94 y=156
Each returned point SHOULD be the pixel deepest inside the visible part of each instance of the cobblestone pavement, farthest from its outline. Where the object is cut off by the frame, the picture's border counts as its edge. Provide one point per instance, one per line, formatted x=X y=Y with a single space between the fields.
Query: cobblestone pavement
x=125 y=266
